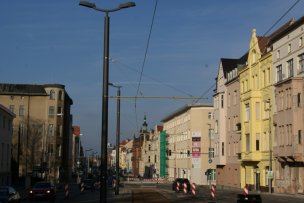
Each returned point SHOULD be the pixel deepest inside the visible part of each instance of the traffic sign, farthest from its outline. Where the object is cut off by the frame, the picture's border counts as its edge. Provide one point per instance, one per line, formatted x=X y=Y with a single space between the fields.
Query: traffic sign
x=210 y=161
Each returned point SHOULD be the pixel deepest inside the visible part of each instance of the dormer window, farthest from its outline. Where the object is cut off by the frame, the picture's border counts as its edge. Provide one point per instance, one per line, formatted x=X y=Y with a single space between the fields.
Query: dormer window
x=289 y=48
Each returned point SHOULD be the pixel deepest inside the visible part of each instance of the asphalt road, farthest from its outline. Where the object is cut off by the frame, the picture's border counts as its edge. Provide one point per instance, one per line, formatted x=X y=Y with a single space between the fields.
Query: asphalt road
x=139 y=192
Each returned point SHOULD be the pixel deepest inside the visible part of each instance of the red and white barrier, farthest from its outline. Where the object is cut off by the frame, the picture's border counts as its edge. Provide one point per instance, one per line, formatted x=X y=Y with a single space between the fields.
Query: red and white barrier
x=212 y=191
x=185 y=188
x=246 y=190
x=81 y=187
x=66 y=190
x=193 y=189
x=177 y=186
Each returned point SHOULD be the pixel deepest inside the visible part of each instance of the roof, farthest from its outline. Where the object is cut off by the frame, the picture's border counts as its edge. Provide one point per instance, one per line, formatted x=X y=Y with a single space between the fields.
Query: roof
x=29 y=89
x=287 y=28
x=22 y=89
x=184 y=109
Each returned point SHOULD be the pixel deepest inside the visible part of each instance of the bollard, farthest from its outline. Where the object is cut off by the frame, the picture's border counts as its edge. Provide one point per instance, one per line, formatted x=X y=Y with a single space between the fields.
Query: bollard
x=193 y=189
x=185 y=188
x=246 y=190
x=177 y=186
x=212 y=191
x=66 y=190
x=81 y=187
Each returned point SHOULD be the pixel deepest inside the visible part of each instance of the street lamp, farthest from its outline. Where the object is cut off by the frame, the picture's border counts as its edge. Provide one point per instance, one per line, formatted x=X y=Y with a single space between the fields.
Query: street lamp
x=105 y=100
x=117 y=137
x=87 y=168
x=270 y=173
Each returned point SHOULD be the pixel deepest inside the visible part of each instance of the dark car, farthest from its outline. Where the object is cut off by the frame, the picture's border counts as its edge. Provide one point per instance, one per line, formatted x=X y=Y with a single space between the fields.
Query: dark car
x=88 y=184
x=43 y=190
x=253 y=198
x=9 y=195
x=181 y=182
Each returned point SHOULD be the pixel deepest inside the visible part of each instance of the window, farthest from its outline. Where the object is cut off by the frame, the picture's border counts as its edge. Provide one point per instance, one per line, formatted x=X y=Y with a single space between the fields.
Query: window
x=21 y=110
x=279 y=73
x=289 y=48
x=211 y=152
x=149 y=160
x=223 y=148
x=9 y=124
x=263 y=78
x=301 y=63
x=290 y=68
x=257 y=142
x=234 y=97
x=51 y=110
x=51 y=130
x=222 y=101
x=3 y=121
x=299 y=137
x=52 y=94
x=12 y=108
x=247 y=112
x=247 y=143
x=300 y=41
x=155 y=159
x=149 y=147
x=59 y=111
x=60 y=95
x=50 y=149
x=257 y=111
x=299 y=99
x=278 y=54
x=209 y=115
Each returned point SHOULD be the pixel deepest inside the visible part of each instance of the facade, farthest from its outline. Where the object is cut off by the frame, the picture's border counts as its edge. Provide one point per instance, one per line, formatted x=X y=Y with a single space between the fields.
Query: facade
x=42 y=129
x=188 y=140
x=288 y=73
x=124 y=160
x=6 y=134
x=227 y=117
x=151 y=154
x=77 y=154
x=227 y=110
x=256 y=95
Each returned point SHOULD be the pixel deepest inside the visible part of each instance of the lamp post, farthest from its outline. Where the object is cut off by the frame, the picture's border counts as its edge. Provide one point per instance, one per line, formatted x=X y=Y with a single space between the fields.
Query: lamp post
x=87 y=168
x=104 y=130
x=270 y=173
x=117 y=137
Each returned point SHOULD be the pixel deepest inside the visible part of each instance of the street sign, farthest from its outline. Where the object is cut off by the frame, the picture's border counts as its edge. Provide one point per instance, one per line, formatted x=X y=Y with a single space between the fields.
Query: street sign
x=270 y=174
x=210 y=161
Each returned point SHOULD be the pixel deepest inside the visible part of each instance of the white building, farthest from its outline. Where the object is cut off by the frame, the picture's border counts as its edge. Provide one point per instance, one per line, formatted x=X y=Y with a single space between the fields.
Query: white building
x=188 y=143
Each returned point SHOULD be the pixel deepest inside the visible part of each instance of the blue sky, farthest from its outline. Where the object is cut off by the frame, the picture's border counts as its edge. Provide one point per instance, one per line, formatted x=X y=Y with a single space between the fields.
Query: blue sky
x=57 y=41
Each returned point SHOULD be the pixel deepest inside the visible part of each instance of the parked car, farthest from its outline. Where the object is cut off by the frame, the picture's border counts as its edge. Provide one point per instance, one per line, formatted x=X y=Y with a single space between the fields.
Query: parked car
x=8 y=194
x=42 y=190
x=253 y=198
x=181 y=184
x=88 y=184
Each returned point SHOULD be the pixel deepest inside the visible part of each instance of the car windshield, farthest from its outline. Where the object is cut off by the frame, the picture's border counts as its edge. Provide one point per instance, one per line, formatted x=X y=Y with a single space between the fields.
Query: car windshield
x=42 y=185
x=88 y=181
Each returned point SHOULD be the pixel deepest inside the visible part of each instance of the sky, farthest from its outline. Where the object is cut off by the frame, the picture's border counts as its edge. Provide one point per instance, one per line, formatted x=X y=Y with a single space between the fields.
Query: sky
x=164 y=48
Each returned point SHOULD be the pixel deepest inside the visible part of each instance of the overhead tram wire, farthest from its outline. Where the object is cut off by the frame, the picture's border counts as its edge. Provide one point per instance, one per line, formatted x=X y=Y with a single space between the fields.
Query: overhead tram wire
x=144 y=61
x=288 y=10
x=156 y=80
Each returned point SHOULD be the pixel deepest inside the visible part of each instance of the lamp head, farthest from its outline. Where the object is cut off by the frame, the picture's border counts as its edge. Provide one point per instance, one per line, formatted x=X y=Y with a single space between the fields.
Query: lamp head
x=87 y=4
x=127 y=5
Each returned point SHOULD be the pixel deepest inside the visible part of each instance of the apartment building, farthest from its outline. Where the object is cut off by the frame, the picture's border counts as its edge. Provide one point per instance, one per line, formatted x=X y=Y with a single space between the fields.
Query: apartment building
x=190 y=144
x=42 y=130
x=227 y=119
x=288 y=73
x=6 y=133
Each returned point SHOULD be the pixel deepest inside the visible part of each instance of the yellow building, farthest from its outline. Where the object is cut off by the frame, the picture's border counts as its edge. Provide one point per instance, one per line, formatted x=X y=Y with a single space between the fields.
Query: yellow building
x=256 y=98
